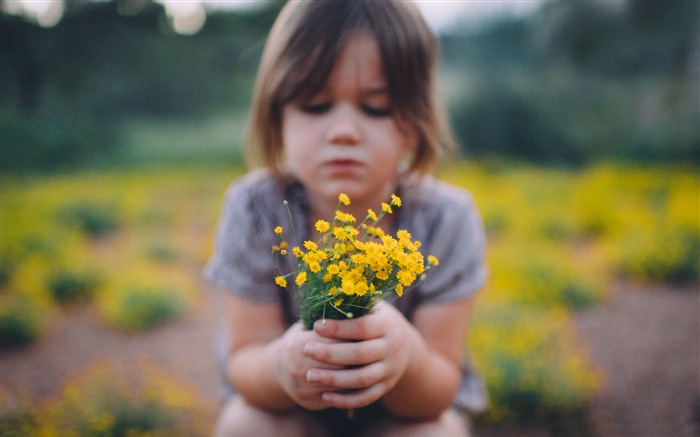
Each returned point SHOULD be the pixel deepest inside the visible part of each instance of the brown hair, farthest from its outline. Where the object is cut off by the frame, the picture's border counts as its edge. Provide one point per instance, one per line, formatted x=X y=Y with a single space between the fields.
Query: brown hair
x=300 y=54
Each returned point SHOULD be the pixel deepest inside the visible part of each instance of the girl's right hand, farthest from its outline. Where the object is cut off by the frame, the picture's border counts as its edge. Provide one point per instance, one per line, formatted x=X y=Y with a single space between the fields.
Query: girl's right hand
x=292 y=367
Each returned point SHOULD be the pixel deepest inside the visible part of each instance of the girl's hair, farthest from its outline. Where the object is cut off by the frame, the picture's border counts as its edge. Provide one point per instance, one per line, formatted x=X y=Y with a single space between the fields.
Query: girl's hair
x=300 y=54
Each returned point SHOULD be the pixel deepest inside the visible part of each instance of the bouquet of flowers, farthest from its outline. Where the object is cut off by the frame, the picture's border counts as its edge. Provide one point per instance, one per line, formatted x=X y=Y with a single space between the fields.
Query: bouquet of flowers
x=351 y=266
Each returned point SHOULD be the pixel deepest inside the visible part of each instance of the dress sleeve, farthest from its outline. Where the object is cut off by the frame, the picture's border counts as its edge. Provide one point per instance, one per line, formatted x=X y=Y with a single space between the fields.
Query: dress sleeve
x=456 y=237
x=242 y=260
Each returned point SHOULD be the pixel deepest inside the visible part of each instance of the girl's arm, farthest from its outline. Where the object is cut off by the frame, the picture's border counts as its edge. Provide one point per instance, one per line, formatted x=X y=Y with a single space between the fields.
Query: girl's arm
x=432 y=379
x=265 y=363
x=414 y=369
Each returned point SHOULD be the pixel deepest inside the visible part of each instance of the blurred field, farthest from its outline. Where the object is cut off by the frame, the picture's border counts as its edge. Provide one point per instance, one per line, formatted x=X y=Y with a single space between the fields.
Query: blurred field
x=128 y=244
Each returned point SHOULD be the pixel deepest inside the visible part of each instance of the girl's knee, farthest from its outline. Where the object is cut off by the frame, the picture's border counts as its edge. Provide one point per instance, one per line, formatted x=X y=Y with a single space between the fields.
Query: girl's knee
x=449 y=424
x=241 y=419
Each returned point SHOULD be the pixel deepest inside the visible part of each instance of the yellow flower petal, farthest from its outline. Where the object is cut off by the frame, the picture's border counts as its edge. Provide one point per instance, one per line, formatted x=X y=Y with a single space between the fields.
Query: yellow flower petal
x=322 y=226
x=372 y=215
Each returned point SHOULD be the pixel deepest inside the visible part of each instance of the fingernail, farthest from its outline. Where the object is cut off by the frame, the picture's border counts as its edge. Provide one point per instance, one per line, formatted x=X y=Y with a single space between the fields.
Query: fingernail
x=309 y=348
x=313 y=375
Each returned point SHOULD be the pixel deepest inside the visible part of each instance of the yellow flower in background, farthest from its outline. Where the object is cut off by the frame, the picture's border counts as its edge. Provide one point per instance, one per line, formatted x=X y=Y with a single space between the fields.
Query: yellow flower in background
x=344 y=199
x=396 y=200
x=433 y=261
x=301 y=278
x=278 y=230
x=386 y=208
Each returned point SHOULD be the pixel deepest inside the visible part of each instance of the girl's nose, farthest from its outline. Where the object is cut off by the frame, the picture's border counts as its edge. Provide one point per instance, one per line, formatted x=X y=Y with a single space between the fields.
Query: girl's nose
x=344 y=128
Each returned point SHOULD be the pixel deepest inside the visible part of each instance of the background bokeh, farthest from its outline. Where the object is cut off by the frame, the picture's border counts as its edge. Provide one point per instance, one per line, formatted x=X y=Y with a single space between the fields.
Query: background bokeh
x=121 y=125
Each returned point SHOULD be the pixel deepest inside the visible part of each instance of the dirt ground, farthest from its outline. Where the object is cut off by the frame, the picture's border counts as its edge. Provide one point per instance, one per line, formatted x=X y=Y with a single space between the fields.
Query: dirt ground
x=646 y=340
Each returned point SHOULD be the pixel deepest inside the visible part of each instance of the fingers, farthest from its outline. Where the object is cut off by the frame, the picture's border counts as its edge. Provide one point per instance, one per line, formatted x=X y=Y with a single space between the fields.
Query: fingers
x=355 y=399
x=346 y=354
x=362 y=328
x=357 y=378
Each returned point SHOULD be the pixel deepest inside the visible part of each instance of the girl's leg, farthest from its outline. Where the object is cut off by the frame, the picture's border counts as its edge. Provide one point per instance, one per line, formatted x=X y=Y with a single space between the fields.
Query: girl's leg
x=450 y=424
x=240 y=419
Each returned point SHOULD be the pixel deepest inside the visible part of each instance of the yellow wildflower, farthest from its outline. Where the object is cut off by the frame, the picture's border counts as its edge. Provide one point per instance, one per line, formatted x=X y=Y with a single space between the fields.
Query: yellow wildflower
x=372 y=215
x=344 y=217
x=351 y=267
x=404 y=236
x=433 y=261
x=405 y=277
x=322 y=226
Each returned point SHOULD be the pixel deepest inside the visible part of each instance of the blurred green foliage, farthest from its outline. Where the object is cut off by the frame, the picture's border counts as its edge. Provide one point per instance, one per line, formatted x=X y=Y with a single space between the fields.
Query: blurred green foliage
x=579 y=82
x=22 y=320
x=572 y=83
x=71 y=286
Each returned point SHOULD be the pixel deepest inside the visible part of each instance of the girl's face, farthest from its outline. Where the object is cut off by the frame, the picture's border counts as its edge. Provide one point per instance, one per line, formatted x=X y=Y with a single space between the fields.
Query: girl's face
x=346 y=138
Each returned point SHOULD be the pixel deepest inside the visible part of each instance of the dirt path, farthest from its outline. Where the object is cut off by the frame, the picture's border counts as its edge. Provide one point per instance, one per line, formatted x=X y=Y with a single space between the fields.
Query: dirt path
x=646 y=340
x=79 y=340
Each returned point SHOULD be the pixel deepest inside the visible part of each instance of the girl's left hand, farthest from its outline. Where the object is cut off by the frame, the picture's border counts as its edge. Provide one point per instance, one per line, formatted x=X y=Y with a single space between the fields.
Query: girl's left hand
x=375 y=353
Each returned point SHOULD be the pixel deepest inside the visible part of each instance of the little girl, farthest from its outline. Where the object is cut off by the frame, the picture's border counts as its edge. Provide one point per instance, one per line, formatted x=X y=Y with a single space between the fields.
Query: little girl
x=345 y=103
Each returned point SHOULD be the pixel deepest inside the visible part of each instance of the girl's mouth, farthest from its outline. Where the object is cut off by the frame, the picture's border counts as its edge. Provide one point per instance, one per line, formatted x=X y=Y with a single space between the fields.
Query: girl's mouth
x=342 y=166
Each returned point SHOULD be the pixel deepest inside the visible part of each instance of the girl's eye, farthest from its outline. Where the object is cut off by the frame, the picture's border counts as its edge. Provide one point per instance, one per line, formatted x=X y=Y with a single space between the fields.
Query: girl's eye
x=377 y=111
x=316 y=107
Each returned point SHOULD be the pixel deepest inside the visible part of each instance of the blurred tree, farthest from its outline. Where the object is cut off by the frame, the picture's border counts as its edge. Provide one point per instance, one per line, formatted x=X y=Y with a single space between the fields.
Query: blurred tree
x=64 y=89
x=580 y=81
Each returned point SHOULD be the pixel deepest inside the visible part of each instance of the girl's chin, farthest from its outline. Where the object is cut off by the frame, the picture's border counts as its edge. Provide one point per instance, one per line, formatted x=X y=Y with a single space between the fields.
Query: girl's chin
x=357 y=193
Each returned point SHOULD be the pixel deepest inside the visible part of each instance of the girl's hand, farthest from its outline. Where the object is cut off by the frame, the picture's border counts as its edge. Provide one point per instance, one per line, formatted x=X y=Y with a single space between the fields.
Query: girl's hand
x=293 y=366
x=369 y=356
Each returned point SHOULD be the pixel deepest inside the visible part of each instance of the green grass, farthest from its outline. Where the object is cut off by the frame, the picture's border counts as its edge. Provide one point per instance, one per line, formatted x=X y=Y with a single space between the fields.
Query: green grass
x=155 y=141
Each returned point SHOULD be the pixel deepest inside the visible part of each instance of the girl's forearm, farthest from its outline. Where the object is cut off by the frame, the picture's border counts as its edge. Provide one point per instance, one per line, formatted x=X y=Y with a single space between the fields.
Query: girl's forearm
x=252 y=371
x=427 y=388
